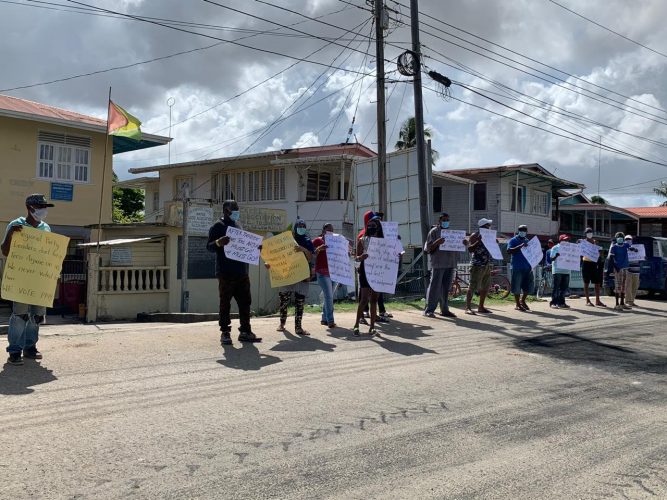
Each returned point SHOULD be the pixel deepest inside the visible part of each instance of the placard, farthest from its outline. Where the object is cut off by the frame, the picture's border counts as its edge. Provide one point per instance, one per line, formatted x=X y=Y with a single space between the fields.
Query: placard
x=570 y=256
x=121 y=256
x=390 y=230
x=381 y=266
x=453 y=240
x=533 y=251
x=243 y=246
x=200 y=220
x=637 y=256
x=489 y=241
x=33 y=266
x=287 y=265
x=589 y=250
x=341 y=269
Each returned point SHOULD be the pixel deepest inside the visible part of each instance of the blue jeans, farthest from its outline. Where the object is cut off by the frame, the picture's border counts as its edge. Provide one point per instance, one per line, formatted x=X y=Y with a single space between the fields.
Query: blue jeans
x=561 y=285
x=438 y=289
x=24 y=327
x=327 y=290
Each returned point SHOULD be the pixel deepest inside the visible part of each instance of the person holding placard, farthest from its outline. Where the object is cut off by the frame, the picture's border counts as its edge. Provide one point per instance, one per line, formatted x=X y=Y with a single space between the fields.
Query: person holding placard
x=384 y=316
x=619 y=263
x=25 y=319
x=373 y=229
x=561 y=277
x=522 y=271
x=323 y=278
x=443 y=265
x=300 y=289
x=481 y=266
x=233 y=279
x=592 y=271
x=632 y=281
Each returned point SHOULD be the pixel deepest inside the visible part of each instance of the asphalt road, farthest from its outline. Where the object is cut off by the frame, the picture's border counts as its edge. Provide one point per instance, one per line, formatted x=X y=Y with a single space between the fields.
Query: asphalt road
x=547 y=404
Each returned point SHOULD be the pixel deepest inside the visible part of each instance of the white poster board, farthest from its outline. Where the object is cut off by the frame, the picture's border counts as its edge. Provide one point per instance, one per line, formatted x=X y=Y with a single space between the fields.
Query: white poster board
x=341 y=269
x=533 y=251
x=489 y=241
x=453 y=240
x=381 y=266
x=589 y=250
x=243 y=246
x=390 y=230
x=570 y=256
x=637 y=256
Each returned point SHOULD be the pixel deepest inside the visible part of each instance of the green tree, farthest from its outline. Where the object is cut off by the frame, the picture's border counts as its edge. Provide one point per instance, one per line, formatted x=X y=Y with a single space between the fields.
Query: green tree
x=662 y=191
x=128 y=204
x=599 y=200
x=407 y=137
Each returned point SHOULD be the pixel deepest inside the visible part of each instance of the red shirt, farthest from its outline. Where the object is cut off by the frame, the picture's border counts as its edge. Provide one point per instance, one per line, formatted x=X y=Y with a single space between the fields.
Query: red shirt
x=321 y=263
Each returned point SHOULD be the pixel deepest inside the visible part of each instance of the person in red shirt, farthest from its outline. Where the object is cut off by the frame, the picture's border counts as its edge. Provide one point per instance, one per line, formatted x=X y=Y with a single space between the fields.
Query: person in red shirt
x=323 y=278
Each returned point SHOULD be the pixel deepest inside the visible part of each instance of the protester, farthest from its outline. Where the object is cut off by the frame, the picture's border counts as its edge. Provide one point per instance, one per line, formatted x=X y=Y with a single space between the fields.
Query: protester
x=233 y=279
x=443 y=265
x=373 y=229
x=300 y=289
x=522 y=271
x=619 y=263
x=481 y=266
x=383 y=316
x=632 y=280
x=323 y=278
x=592 y=272
x=25 y=319
x=561 y=277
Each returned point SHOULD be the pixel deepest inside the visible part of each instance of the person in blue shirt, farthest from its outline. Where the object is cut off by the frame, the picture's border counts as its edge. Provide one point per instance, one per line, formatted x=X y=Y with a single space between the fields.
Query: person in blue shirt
x=522 y=272
x=619 y=263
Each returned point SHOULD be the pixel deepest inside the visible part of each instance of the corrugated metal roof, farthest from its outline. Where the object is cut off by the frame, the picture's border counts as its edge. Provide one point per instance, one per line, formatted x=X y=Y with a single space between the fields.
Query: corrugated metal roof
x=121 y=241
x=649 y=212
x=23 y=106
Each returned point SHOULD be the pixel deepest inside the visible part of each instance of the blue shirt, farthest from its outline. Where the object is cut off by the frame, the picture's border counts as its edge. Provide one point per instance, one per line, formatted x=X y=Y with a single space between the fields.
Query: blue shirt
x=518 y=258
x=620 y=255
x=554 y=263
x=22 y=221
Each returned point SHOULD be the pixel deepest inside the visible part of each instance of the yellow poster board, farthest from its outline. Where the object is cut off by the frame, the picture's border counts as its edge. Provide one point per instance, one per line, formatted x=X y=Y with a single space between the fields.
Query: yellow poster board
x=287 y=266
x=33 y=266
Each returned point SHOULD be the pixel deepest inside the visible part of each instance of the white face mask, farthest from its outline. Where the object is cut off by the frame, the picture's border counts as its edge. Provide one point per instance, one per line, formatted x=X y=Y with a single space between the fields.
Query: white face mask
x=39 y=213
x=589 y=235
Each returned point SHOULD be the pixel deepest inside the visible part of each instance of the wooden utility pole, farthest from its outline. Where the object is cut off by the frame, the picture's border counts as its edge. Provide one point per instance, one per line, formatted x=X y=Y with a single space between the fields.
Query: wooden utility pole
x=380 y=22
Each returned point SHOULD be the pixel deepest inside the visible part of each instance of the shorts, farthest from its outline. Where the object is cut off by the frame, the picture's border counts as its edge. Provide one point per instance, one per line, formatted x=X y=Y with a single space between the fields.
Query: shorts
x=522 y=281
x=480 y=277
x=363 y=282
x=591 y=273
x=620 y=277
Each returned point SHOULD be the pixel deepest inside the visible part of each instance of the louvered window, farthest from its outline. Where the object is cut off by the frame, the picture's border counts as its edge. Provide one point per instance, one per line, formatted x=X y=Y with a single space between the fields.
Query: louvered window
x=63 y=157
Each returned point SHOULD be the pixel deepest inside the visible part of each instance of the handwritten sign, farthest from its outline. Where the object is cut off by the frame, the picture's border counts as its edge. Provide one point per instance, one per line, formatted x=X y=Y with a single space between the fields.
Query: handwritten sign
x=570 y=256
x=33 y=267
x=243 y=246
x=637 y=256
x=338 y=258
x=533 y=252
x=200 y=219
x=589 y=250
x=381 y=266
x=453 y=240
x=287 y=266
x=390 y=230
x=489 y=241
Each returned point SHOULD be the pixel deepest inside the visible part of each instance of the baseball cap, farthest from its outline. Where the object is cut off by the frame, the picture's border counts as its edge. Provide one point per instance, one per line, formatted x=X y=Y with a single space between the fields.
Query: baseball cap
x=588 y=230
x=628 y=237
x=563 y=237
x=523 y=226
x=37 y=199
x=484 y=222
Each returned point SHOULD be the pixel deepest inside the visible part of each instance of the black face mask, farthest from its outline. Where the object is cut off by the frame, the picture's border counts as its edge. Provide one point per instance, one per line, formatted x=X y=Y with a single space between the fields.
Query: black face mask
x=371 y=230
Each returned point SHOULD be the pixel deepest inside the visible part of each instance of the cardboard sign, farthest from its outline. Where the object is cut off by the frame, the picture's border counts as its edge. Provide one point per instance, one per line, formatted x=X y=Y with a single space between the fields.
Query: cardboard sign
x=637 y=256
x=489 y=241
x=390 y=230
x=341 y=269
x=453 y=240
x=33 y=267
x=589 y=250
x=243 y=246
x=381 y=266
x=570 y=256
x=533 y=252
x=287 y=265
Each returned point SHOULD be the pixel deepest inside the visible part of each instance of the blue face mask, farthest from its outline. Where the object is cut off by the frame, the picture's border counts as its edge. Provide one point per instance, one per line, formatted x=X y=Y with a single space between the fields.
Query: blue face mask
x=300 y=231
x=444 y=224
x=523 y=234
x=619 y=241
x=235 y=215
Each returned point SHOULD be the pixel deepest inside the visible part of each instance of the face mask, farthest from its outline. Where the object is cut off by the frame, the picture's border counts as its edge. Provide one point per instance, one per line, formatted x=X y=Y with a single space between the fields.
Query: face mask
x=444 y=224
x=371 y=230
x=589 y=235
x=39 y=214
x=235 y=215
x=300 y=231
x=523 y=234
x=619 y=241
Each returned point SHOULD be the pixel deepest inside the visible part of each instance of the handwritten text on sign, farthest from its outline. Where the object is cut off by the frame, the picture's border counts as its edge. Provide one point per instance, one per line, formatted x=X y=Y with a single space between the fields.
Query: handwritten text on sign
x=639 y=255
x=570 y=256
x=589 y=250
x=381 y=266
x=33 y=267
x=489 y=241
x=287 y=265
x=390 y=230
x=533 y=252
x=243 y=246
x=338 y=258
x=453 y=240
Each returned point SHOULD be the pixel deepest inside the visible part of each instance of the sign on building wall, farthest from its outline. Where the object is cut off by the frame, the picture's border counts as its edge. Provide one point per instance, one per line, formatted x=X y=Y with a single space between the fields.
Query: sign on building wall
x=121 y=256
x=62 y=192
x=255 y=219
x=200 y=220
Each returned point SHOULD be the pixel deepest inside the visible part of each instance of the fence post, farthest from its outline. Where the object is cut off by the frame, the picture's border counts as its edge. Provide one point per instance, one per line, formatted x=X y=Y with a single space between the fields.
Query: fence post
x=92 y=288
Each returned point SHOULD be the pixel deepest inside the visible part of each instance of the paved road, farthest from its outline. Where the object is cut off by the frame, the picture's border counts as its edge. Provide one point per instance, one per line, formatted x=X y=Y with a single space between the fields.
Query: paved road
x=547 y=404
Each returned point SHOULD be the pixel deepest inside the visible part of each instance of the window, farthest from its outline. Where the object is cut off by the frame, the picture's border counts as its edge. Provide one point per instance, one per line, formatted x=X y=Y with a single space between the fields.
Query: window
x=63 y=157
x=257 y=185
x=479 y=196
x=156 y=201
x=541 y=203
x=318 y=186
x=522 y=199
x=437 y=199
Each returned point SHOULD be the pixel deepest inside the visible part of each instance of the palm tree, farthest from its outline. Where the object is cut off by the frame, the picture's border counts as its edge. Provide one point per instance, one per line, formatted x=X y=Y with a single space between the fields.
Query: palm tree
x=599 y=200
x=662 y=191
x=407 y=137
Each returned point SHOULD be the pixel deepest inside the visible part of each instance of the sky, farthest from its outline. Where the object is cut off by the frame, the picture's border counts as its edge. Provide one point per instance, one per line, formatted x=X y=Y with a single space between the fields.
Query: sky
x=532 y=61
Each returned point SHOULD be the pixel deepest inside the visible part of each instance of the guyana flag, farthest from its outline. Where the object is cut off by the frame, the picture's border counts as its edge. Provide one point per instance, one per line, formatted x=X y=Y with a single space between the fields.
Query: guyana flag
x=122 y=123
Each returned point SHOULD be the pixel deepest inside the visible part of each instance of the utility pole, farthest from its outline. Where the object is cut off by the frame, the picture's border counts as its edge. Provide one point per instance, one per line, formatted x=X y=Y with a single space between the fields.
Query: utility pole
x=419 y=122
x=380 y=22
x=185 y=294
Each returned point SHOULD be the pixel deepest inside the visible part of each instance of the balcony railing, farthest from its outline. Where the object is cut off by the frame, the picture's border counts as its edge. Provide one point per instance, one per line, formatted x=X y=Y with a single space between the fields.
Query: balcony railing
x=133 y=279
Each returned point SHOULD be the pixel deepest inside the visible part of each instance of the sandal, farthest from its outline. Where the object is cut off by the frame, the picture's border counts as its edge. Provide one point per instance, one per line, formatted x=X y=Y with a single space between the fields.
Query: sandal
x=331 y=325
x=590 y=304
x=470 y=311
x=525 y=306
x=520 y=308
x=301 y=331
x=373 y=332
x=600 y=304
x=281 y=327
x=484 y=311
x=355 y=331
x=363 y=321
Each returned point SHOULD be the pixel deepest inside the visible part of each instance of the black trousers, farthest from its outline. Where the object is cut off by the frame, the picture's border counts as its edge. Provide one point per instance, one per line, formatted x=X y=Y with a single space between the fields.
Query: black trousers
x=238 y=288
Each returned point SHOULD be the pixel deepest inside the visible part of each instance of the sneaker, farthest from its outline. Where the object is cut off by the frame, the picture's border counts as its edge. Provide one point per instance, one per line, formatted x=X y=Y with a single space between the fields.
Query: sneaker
x=32 y=354
x=387 y=315
x=367 y=314
x=226 y=338
x=429 y=314
x=448 y=314
x=554 y=306
x=626 y=307
x=15 y=358
x=323 y=322
x=565 y=306
x=618 y=307
x=373 y=332
x=355 y=331
x=249 y=337
x=381 y=319
x=363 y=321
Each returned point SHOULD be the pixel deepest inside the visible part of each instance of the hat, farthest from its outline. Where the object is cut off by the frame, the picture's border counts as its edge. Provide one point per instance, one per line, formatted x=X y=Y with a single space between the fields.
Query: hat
x=484 y=222
x=368 y=216
x=588 y=230
x=523 y=226
x=37 y=199
x=563 y=237
x=444 y=214
x=628 y=237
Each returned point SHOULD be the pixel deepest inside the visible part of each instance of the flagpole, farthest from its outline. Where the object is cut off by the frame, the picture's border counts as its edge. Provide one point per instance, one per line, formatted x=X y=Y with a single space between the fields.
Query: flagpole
x=104 y=174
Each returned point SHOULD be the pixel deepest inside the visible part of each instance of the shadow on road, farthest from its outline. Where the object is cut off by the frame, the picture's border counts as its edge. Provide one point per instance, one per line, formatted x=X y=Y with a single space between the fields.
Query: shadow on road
x=295 y=343
x=403 y=348
x=19 y=380
x=246 y=358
